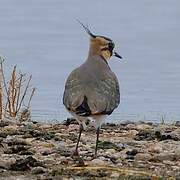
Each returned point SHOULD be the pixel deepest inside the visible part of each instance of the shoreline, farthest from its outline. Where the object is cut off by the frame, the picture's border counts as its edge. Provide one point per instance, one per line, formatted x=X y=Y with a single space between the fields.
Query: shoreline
x=35 y=150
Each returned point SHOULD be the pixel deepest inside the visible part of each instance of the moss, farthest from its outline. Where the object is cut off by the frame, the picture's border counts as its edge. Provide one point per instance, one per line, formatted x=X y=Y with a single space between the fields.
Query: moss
x=108 y=145
x=50 y=135
x=57 y=172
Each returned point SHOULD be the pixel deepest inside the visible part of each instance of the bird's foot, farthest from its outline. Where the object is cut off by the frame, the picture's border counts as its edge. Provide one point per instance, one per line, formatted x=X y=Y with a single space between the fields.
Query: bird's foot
x=75 y=153
x=95 y=156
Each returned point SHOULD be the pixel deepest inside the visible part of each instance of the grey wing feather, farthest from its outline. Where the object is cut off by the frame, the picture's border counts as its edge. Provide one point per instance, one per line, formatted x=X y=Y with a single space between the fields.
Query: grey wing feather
x=73 y=94
x=97 y=97
x=106 y=97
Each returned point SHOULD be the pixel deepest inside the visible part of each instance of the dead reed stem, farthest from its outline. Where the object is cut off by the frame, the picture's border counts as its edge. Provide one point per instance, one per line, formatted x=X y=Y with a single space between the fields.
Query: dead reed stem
x=25 y=92
x=19 y=91
x=32 y=94
x=4 y=83
x=1 y=97
x=15 y=92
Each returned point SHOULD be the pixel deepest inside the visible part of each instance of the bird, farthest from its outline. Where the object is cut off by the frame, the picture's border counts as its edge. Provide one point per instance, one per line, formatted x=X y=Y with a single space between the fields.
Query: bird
x=92 y=89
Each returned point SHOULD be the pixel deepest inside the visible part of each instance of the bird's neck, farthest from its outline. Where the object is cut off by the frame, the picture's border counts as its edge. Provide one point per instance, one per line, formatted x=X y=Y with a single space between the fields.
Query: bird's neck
x=94 y=50
x=97 y=61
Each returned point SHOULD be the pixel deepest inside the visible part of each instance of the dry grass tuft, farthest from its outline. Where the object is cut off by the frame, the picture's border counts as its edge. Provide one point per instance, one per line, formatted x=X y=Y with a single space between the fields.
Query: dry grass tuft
x=15 y=94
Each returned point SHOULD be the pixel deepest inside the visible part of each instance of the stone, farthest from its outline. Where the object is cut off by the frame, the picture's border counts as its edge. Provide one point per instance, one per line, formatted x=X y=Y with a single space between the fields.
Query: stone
x=177 y=123
x=46 y=152
x=65 y=160
x=155 y=148
x=175 y=135
x=171 y=163
x=35 y=133
x=11 y=129
x=3 y=148
x=3 y=134
x=143 y=135
x=176 y=168
x=3 y=123
x=38 y=170
x=49 y=160
x=115 y=175
x=177 y=153
x=61 y=146
x=164 y=156
x=17 y=149
x=125 y=123
x=108 y=145
x=110 y=151
x=132 y=133
x=131 y=126
x=143 y=127
x=98 y=162
x=143 y=157
x=132 y=152
x=6 y=162
x=25 y=164
x=15 y=140
x=69 y=121
x=73 y=127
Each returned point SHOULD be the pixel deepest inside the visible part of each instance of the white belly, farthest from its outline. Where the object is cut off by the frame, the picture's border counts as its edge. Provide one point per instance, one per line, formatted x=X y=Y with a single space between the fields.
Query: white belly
x=96 y=120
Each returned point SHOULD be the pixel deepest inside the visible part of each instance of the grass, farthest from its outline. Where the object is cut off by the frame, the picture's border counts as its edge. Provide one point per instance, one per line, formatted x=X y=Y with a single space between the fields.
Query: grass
x=15 y=93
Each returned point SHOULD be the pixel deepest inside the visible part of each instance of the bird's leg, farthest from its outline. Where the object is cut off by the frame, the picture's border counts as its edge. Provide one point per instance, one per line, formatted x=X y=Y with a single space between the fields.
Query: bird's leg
x=97 y=140
x=80 y=131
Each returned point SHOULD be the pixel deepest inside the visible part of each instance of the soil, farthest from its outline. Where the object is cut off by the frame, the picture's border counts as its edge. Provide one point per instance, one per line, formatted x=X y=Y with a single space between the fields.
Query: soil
x=129 y=150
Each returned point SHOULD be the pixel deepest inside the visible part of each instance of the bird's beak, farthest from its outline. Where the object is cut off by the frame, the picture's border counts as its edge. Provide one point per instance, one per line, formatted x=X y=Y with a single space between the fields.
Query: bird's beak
x=117 y=55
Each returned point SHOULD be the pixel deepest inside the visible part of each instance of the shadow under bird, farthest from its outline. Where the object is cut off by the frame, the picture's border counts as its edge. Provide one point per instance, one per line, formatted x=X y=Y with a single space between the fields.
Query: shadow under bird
x=92 y=89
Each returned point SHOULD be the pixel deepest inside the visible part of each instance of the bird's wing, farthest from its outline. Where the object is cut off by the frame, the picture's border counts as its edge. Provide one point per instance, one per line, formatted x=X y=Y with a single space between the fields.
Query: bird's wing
x=105 y=97
x=95 y=97
x=73 y=93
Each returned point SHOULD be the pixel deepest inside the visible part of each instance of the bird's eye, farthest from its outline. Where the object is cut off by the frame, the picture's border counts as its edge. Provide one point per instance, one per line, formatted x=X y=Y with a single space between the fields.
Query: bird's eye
x=111 y=46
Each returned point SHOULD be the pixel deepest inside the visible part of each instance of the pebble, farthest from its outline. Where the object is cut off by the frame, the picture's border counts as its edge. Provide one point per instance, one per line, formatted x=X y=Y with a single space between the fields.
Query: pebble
x=164 y=156
x=176 y=168
x=132 y=152
x=25 y=164
x=11 y=129
x=88 y=158
x=49 y=160
x=132 y=145
x=98 y=162
x=15 y=140
x=83 y=153
x=38 y=170
x=175 y=135
x=110 y=151
x=143 y=126
x=46 y=152
x=155 y=148
x=177 y=153
x=6 y=162
x=115 y=175
x=171 y=163
x=143 y=135
x=132 y=133
x=131 y=126
x=177 y=123
x=143 y=157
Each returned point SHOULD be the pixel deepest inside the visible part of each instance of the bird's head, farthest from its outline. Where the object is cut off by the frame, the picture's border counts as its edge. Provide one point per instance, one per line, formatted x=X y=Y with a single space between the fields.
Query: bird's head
x=101 y=45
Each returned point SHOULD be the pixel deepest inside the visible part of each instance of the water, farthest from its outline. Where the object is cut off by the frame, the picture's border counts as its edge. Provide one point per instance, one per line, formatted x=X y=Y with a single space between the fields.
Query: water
x=43 y=38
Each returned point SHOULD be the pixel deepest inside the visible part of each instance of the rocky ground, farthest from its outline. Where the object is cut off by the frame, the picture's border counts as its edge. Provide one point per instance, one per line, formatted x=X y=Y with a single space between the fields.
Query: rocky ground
x=31 y=150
